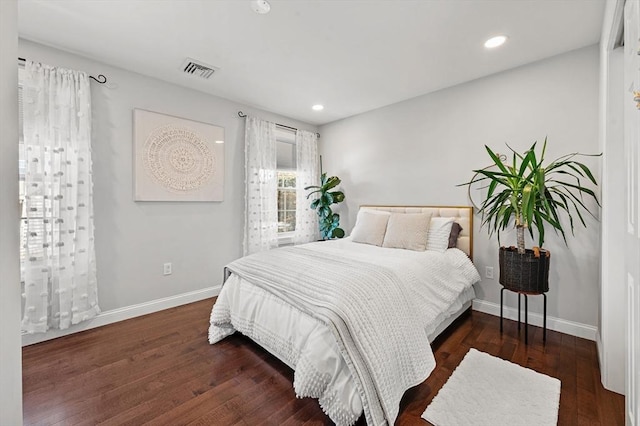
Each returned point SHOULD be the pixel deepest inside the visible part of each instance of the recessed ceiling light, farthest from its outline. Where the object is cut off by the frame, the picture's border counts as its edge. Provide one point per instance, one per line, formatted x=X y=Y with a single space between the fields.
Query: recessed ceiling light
x=495 y=41
x=219 y=141
x=260 y=6
x=317 y=107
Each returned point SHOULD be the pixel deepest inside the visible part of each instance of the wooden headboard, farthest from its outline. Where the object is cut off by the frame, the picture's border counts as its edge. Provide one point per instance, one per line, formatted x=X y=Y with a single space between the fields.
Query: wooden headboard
x=462 y=214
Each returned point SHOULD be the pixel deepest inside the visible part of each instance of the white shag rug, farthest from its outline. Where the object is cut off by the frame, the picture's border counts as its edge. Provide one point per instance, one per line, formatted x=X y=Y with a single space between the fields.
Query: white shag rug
x=485 y=390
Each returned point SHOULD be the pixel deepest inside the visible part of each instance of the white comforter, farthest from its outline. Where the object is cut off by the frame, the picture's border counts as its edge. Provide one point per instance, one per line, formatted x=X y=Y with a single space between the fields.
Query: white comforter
x=378 y=326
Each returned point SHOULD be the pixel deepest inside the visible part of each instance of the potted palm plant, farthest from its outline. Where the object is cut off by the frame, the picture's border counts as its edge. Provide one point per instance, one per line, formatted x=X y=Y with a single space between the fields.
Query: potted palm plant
x=530 y=195
x=329 y=221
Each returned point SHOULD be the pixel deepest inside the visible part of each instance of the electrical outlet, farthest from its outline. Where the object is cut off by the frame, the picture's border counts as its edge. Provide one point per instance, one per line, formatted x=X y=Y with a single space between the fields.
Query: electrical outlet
x=167 y=268
x=488 y=272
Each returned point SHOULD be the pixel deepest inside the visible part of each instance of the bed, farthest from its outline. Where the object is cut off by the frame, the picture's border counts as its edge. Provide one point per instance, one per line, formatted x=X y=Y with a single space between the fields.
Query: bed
x=352 y=319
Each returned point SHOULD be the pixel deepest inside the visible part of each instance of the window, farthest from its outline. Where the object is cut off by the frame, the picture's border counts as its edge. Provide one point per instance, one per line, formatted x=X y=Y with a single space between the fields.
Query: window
x=286 y=165
x=286 y=201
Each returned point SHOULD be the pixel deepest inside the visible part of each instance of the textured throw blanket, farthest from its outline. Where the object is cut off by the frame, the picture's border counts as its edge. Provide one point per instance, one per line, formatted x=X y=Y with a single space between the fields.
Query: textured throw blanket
x=373 y=310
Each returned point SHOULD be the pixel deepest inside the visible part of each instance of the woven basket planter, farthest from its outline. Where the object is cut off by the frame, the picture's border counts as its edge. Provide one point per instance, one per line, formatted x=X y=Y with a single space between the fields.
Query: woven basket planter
x=527 y=273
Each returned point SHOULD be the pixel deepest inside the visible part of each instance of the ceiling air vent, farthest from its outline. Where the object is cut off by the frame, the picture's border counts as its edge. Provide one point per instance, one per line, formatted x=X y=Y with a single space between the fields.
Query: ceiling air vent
x=198 y=69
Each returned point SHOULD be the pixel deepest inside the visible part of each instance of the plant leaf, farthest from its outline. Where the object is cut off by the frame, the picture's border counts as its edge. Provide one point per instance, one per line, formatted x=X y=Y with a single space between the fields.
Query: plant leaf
x=338 y=196
x=331 y=182
x=496 y=160
x=338 y=233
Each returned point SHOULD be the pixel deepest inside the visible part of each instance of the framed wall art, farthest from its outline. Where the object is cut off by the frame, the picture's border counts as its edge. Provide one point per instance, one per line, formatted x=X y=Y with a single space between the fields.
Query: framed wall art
x=176 y=159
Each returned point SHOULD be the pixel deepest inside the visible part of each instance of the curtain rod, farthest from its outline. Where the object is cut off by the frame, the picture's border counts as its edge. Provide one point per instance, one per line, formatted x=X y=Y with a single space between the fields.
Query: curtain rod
x=243 y=115
x=100 y=79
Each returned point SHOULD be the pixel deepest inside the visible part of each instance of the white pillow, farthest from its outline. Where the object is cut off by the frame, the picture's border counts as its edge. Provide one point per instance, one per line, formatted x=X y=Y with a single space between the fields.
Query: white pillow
x=372 y=211
x=370 y=227
x=439 y=230
x=407 y=231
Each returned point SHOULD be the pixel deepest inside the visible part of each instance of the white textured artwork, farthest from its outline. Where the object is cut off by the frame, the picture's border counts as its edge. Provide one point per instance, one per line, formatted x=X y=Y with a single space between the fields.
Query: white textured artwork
x=177 y=159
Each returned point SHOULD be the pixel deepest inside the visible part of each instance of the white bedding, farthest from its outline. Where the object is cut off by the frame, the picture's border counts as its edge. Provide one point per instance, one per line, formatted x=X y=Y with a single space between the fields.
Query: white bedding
x=309 y=346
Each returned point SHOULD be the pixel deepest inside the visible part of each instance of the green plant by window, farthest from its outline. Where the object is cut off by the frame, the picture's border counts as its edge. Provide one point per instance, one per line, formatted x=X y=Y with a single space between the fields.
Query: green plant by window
x=532 y=194
x=329 y=222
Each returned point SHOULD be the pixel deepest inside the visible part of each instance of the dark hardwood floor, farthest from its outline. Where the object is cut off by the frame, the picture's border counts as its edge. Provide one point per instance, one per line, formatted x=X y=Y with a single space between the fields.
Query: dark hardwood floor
x=159 y=369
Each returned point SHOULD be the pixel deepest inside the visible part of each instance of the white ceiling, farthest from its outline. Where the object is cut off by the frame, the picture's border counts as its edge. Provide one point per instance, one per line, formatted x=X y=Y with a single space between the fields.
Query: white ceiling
x=352 y=56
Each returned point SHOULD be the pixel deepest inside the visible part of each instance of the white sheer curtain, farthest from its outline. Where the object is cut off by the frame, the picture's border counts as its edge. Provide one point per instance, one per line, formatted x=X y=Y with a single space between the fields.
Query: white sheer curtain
x=59 y=266
x=261 y=194
x=307 y=174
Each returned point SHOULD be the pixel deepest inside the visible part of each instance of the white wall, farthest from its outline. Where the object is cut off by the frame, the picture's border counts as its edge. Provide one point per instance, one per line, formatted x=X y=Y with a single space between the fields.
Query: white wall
x=10 y=351
x=416 y=151
x=134 y=239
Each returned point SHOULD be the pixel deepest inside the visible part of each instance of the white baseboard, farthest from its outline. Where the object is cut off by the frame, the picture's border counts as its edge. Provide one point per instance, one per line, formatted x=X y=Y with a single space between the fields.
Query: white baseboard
x=121 y=314
x=557 y=324
x=109 y=317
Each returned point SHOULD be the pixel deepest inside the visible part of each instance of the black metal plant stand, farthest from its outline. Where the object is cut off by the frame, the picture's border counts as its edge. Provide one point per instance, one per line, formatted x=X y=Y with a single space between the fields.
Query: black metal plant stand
x=526 y=309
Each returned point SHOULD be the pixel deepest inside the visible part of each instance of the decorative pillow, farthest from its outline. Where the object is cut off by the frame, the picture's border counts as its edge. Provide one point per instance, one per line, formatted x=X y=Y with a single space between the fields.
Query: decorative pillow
x=407 y=231
x=456 y=229
x=370 y=228
x=439 y=230
x=371 y=211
